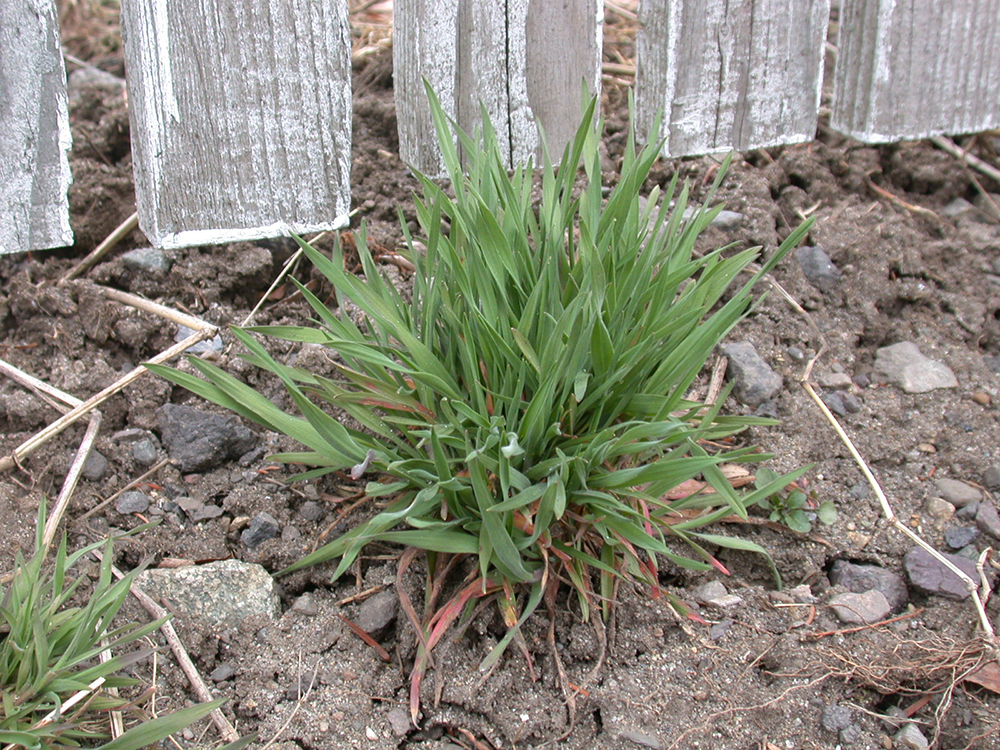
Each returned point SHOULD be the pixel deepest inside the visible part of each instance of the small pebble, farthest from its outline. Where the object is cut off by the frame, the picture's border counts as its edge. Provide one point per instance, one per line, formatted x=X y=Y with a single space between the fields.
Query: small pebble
x=95 y=467
x=132 y=502
x=988 y=520
x=982 y=398
x=911 y=738
x=956 y=538
x=938 y=509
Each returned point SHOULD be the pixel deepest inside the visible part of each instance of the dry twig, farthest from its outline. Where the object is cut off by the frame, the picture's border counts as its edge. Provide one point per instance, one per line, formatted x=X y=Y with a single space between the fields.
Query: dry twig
x=101 y=250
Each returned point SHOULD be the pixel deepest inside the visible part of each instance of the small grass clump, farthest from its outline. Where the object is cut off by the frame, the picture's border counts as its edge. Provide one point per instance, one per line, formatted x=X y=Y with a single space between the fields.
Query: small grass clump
x=54 y=687
x=527 y=408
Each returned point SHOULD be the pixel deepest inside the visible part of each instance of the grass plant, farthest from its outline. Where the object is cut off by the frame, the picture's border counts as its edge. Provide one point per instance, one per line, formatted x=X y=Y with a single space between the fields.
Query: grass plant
x=53 y=685
x=527 y=409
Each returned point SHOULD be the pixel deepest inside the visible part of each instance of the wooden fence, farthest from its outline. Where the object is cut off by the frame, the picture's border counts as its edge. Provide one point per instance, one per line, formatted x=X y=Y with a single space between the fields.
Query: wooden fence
x=241 y=114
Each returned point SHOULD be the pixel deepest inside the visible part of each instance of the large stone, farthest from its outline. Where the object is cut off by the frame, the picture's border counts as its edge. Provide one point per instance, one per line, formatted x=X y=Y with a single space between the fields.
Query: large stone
x=218 y=594
x=199 y=440
x=904 y=365
x=861 y=609
x=756 y=382
x=818 y=268
x=930 y=576
x=957 y=493
x=861 y=578
x=376 y=613
x=988 y=520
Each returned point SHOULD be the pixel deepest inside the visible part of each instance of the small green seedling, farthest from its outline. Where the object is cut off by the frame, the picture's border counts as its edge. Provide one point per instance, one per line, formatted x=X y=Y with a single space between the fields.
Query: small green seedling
x=54 y=688
x=793 y=507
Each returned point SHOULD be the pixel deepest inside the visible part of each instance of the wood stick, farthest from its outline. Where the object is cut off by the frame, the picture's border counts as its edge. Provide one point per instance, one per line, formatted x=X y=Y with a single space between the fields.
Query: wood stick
x=98 y=252
x=32 y=444
x=73 y=476
x=946 y=144
x=141 y=303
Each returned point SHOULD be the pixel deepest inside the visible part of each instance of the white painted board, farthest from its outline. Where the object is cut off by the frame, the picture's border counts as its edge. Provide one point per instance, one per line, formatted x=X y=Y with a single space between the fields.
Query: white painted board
x=240 y=116
x=730 y=74
x=34 y=129
x=523 y=60
x=917 y=69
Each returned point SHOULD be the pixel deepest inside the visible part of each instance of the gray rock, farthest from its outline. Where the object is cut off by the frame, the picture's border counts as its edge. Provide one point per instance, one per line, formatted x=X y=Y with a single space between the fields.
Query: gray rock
x=376 y=613
x=957 y=493
x=756 y=382
x=962 y=536
x=88 y=80
x=222 y=673
x=198 y=510
x=213 y=345
x=311 y=510
x=835 y=403
x=132 y=502
x=991 y=477
x=147 y=260
x=399 y=721
x=728 y=220
x=904 y=365
x=860 y=490
x=852 y=404
x=861 y=609
x=818 y=268
x=957 y=208
x=219 y=594
x=836 y=380
x=95 y=467
x=144 y=452
x=968 y=513
x=199 y=440
x=938 y=509
x=640 y=738
x=930 y=576
x=988 y=520
x=306 y=605
x=714 y=594
x=861 y=578
x=262 y=527
x=910 y=738
x=836 y=717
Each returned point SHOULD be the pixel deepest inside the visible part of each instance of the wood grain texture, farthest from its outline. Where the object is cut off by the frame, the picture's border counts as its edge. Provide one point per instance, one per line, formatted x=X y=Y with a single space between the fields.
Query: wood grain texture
x=732 y=74
x=917 y=68
x=241 y=117
x=34 y=129
x=518 y=59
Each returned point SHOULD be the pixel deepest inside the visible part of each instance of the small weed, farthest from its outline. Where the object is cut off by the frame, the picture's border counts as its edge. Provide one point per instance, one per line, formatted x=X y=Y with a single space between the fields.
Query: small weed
x=54 y=686
x=527 y=409
x=791 y=505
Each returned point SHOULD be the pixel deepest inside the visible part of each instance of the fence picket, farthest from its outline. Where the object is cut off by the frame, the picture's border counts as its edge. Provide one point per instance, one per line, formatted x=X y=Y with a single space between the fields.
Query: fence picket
x=917 y=69
x=34 y=129
x=522 y=59
x=730 y=75
x=241 y=117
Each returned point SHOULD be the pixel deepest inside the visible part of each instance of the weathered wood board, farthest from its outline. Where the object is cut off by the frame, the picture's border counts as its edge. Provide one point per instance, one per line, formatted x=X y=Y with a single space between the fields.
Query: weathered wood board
x=241 y=117
x=916 y=69
x=520 y=59
x=731 y=74
x=34 y=129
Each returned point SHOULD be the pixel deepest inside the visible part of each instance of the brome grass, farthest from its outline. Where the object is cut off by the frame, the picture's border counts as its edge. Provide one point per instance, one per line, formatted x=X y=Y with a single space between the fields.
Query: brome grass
x=527 y=409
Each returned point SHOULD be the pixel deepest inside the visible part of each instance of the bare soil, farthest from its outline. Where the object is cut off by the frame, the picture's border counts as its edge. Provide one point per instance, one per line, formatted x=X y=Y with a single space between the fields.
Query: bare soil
x=758 y=675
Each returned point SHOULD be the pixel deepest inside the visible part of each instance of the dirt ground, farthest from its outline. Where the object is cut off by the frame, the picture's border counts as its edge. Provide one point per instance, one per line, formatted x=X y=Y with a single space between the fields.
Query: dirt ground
x=759 y=675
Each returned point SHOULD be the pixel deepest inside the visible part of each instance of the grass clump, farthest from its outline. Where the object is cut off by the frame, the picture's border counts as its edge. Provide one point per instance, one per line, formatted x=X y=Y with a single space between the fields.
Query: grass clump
x=53 y=685
x=527 y=408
